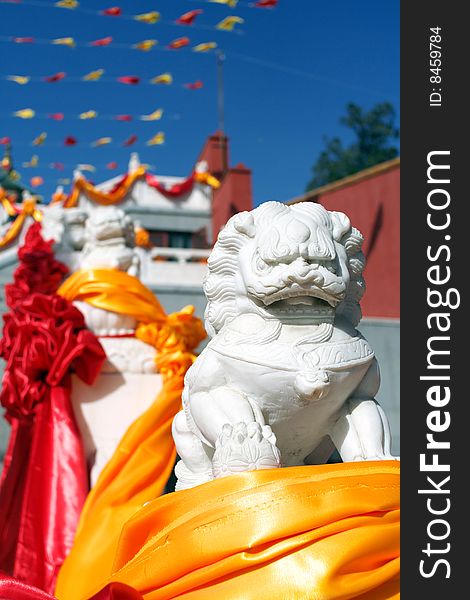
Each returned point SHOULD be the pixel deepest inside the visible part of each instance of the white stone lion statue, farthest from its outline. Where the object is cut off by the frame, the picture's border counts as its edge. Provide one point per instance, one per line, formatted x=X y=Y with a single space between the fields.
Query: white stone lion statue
x=286 y=377
x=109 y=241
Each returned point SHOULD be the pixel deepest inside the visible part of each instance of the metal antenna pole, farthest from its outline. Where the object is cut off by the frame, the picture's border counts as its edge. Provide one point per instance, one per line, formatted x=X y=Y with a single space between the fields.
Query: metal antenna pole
x=221 y=106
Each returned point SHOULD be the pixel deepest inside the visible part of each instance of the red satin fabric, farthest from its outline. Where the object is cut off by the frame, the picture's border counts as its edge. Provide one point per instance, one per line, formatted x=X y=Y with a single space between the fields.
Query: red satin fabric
x=44 y=480
x=177 y=189
x=12 y=589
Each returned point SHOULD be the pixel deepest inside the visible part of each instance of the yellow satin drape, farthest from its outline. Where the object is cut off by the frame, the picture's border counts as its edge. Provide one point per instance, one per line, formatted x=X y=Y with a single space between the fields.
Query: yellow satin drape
x=144 y=458
x=328 y=532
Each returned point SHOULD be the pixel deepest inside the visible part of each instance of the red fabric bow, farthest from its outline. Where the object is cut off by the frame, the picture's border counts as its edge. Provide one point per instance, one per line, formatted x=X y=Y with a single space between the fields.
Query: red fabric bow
x=44 y=480
x=38 y=270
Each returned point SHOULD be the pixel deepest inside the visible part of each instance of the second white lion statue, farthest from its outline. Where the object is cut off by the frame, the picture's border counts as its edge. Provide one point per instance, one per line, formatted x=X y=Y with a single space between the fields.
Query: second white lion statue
x=286 y=377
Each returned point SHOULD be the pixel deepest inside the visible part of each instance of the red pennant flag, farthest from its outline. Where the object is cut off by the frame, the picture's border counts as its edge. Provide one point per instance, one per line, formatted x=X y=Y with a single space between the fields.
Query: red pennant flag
x=266 y=3
x=130 y=140
x=23 y=40
x=196 y=85
x=129 y=80
x=179 y=43
x=114 y=11
x=123 y=117
x=189 y=17
x=55 y=77
x=112 y=165
x=57 y=165
x=102 y=42
x=56 y=116
x=4 y=141
x=70 y=141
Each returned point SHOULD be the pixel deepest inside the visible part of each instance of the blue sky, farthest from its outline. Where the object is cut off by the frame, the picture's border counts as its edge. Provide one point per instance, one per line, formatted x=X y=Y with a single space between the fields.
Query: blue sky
x=288 y=76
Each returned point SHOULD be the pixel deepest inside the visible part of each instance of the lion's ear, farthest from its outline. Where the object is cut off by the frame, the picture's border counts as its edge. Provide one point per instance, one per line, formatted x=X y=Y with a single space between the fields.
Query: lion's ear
x=341 y=225
x=244 y=223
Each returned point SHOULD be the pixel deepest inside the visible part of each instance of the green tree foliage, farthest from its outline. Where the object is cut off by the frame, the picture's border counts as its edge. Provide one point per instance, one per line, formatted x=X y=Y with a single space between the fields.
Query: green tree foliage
x=374 y=132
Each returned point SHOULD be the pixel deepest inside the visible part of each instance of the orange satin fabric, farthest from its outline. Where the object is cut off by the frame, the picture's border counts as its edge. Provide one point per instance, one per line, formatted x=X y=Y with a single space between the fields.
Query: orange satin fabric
x=28 y=210
x=144 y=458
x=103 y=198
x=328 y=532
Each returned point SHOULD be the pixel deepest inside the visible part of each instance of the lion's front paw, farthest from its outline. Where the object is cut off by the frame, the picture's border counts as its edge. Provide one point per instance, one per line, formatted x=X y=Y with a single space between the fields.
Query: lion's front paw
x=245 y=447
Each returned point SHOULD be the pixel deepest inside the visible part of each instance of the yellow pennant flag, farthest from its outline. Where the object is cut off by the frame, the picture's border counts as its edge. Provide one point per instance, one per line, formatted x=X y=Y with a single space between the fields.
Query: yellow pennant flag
x=231 y=3
x=102 y=141
x=86 y=167
x=157 y=139
x=155 y=116
x=94 y=75
x=40 y=139
x=25 y=113
x=145 y=45
x=89 y=114
x=205 y=47
x=21 y=79
x=229 y=23
x=66 y=41
x=32 y=163
x=150 y=17
x=67 y=4
x=165 y=78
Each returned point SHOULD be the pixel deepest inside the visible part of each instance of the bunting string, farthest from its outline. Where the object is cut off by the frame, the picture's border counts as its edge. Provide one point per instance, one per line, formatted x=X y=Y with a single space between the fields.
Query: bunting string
x=187 y=19
x=30 y=113
x=145 y=45
x=97 y=75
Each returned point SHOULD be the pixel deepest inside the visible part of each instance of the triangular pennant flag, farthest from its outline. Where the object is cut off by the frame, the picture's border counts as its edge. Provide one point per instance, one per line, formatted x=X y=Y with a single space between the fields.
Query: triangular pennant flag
x=179 y=43
x=151 y=17
x=130 y=141
x=55 y=77
x=20 y=79
x=145 y=45
x=102 y=41
x=32 y=163
x=70 y=141
x=66 y=41
x=25 y=113
x=36 y=181
x=205 y=47
x=23 y=40
x=189 y=17
x=266 y=3
x=129 y=79
x=155 y=116
x=123 y=117
x=67 y=3
x=58 y=166
x=89 y=114
x=195 y=85
x=38 y=141
x=231 y=3
x=102 y=141
x=56 y=116
x=112 y=165
x=165 y=78
x=229 y=23
x=157 y=139
x=93 y=75
x=113 y=11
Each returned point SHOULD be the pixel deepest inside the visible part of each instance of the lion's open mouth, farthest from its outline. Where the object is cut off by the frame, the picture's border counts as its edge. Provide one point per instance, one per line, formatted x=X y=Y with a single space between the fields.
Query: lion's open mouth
x=293 y=302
